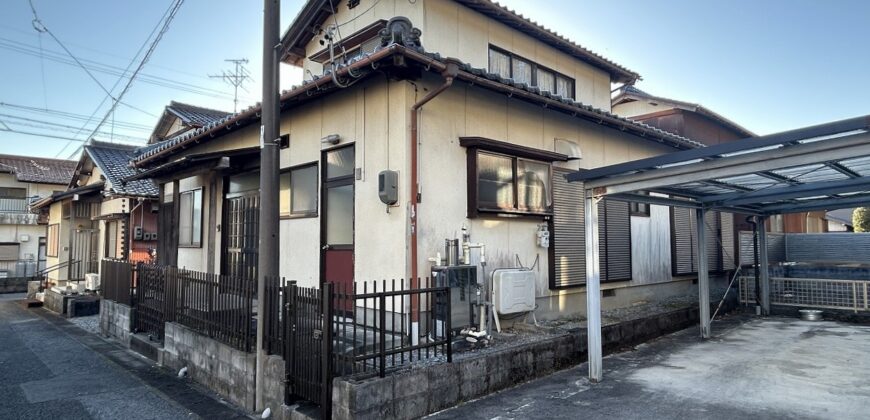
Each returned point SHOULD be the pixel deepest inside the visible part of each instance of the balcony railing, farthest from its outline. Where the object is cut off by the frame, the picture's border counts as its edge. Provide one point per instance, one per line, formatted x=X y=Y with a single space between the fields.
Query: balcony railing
x=14 y=205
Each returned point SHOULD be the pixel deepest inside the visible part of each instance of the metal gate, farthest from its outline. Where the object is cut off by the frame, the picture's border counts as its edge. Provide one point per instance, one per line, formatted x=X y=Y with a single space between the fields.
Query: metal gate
x=156 y=289
x=308 y=345
x=241 y=236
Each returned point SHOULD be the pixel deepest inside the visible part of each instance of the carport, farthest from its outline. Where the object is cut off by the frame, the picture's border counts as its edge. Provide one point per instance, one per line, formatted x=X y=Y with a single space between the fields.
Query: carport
x=823 y=167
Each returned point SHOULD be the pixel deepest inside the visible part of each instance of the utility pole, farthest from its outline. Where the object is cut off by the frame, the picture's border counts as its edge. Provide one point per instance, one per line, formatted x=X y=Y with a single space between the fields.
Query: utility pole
x=267 y=265
x=237 y=77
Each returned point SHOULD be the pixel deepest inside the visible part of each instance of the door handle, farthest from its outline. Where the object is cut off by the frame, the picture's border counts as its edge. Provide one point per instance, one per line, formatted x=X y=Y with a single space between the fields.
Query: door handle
x=325 y=248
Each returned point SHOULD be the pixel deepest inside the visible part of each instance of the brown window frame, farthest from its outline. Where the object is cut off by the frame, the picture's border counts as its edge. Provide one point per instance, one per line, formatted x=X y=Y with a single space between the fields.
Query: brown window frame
x=474 y=206
x=302 y=214
x=535 y=66
x=52 y=241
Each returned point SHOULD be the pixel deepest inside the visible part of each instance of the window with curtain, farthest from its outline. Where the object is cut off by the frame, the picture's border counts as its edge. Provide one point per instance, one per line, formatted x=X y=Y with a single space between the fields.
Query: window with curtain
x=499 y=63
x=521 y=70
x=298 y=195
x=511 y=184
x=190 y=218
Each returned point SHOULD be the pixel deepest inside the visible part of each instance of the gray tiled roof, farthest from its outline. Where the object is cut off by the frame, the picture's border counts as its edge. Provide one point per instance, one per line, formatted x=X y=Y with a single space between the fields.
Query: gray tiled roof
x=113 y=160
x=673 y=139
x=195 y=115
x=38 y=170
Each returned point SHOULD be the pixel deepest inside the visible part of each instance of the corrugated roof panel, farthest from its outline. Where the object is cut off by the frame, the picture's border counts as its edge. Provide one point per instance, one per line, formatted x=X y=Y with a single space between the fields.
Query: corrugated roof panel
x=860 y=165
x=751 y=181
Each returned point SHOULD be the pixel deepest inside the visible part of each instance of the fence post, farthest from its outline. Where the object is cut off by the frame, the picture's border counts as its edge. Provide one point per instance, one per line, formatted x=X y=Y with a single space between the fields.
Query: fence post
x=448 y=327
x=291 y=293
x=326 y=354
x=383 y=333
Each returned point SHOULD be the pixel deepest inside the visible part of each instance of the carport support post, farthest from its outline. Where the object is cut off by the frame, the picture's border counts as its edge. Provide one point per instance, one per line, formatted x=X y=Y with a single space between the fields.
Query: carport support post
x=762 y=265
x=703 y=273
x=593 y=289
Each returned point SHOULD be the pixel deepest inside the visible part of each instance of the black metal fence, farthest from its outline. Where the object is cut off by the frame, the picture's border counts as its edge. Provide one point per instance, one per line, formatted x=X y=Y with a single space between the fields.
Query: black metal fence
x=363 y=329
x=155 y=301
x=117 y=281
x=218 y=306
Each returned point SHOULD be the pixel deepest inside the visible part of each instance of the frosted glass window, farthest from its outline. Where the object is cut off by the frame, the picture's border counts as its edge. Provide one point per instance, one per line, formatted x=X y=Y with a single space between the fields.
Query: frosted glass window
x=339 y=215
x=190 y=218
x=495 y=178
x=298 y=194
x=533 y=185
x=339 y=163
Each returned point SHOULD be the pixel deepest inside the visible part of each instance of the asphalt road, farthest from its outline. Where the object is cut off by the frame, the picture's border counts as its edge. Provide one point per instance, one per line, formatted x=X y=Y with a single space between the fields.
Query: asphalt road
x=50 y=368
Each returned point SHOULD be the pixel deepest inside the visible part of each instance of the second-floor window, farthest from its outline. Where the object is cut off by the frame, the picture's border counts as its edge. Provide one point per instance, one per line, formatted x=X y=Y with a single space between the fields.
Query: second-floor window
x=521 y=70
x=190 y=218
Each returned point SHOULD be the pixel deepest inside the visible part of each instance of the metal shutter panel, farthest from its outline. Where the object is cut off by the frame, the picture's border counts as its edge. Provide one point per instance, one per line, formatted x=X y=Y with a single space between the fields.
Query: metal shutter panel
x=714 y=250
x=615 y=233
x=683 y=241
x=726 y=224
x=569 y=233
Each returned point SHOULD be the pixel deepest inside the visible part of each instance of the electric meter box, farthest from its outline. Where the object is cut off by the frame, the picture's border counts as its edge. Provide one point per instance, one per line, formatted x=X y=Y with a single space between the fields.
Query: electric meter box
x=388 y=187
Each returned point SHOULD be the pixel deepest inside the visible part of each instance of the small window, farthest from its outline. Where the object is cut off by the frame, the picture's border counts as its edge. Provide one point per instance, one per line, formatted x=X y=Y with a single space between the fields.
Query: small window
x=510 y=184
x=521 y=70
x=639 y=209
x=190 y=218
x=499 y=63
x=546 y=81
x=299 y=191
x=53 y=240
x=111 y=239
x=7 y=192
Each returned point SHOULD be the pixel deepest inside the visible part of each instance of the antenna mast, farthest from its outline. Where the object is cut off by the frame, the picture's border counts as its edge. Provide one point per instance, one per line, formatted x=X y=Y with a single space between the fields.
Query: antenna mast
x=236 y=77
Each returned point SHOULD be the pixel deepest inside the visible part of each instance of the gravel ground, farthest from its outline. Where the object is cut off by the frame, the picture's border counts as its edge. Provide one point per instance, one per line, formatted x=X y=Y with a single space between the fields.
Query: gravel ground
x=90 y=324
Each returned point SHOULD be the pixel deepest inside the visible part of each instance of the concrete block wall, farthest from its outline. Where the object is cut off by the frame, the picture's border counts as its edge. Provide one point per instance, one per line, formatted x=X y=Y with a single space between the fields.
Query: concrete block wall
x=419 y=391
x=217 y=366
x=273 y=392
x=13 y=285
x=33 y=288
x=116 y=321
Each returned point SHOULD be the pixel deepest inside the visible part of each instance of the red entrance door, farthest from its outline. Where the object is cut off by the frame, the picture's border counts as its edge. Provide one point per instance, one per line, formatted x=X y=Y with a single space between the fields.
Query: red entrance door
x=337 y=218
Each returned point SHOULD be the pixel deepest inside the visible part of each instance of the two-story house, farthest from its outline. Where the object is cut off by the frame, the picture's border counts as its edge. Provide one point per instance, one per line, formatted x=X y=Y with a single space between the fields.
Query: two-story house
x=389 y=147
x=23 y=242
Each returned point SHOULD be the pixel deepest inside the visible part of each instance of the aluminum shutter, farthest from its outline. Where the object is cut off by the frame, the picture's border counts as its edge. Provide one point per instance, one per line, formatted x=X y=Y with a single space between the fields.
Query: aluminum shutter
x=683 y=241
x=614 y=240
x=568 y=232
x=8 y=252
x=727 y=233
x=712 y=224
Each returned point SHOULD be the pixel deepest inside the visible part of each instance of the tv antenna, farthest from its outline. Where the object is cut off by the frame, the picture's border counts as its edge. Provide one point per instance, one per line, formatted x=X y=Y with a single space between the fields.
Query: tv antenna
x=236 y=77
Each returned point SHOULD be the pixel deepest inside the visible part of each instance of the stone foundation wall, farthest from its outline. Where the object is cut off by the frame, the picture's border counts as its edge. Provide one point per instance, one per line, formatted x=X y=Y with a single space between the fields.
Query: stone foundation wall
x=116 y=321
x=33 y=288
x=423 y=390
x=219 y=367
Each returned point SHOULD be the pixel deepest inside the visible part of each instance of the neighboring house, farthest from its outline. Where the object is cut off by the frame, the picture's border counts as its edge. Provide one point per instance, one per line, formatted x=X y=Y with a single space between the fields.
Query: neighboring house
x=179 y=118
x=518 y=108
x=706 y=126
x=99 y=215
x=22 y=233
x=840 y=220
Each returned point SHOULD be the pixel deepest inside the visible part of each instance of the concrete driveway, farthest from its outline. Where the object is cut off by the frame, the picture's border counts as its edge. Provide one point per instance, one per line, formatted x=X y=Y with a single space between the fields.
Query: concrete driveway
x=752 y=368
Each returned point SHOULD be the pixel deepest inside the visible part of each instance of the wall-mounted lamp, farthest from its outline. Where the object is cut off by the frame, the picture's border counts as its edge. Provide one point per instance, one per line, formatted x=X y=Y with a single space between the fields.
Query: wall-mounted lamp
x=331 y=139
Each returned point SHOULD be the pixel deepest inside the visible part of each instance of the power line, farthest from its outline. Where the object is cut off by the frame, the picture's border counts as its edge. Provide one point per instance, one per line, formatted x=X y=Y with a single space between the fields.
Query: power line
x=95 y=66
x=70 y=116
x=43 y=135
x=237 y=78
x=48 y=125
x=173 y=10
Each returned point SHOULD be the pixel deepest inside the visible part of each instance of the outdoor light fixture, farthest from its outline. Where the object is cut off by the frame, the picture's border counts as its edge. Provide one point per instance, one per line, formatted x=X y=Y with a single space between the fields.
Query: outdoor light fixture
x=331 y=139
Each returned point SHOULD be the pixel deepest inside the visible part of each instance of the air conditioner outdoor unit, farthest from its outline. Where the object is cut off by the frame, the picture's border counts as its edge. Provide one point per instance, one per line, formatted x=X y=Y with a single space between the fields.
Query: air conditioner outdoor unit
x=92 y=281
x=514 y=290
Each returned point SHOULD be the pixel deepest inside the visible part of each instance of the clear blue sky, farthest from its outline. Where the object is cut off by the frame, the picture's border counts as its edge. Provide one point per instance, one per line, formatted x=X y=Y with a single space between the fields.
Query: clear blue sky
x=769 y=65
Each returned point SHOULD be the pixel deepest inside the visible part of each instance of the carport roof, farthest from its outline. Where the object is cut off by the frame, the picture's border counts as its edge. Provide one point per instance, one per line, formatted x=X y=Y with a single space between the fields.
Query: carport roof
x=822 y=167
